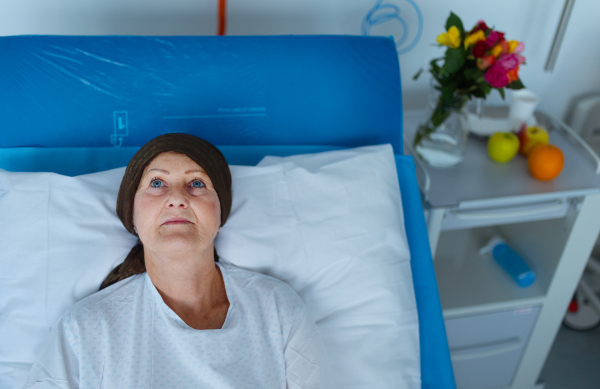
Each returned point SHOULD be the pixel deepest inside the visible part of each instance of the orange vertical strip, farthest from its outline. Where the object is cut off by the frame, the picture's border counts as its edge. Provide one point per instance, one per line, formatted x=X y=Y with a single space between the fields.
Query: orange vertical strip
x=222 y=17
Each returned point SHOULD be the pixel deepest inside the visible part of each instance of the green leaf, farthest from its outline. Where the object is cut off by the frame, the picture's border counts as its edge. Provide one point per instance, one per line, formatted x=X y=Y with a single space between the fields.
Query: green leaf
x=455 y=58
x=485 y=87
x=448 y=93
x=517 y=84
x=435 y=69
x=418 y=74
x=478 y=93
x=418 y=137
x=468 y=74
x=473 y=74
x=501 y=90
x=454 y=20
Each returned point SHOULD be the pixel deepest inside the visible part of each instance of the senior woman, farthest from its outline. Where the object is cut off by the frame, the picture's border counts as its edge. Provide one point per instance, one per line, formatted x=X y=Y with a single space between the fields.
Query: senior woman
x=171 y=315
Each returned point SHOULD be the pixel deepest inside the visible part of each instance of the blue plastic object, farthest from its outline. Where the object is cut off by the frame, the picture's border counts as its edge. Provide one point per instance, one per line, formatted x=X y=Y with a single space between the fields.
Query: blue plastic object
x=513 y=264
x=66 y=97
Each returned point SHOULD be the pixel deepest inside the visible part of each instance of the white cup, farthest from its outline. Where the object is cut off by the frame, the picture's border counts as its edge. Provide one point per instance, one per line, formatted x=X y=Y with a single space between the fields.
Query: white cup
x=522 y=107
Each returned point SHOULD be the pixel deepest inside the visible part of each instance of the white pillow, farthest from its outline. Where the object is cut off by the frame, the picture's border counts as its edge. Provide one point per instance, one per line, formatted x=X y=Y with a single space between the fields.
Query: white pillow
x=60 y=236
x=329 y=224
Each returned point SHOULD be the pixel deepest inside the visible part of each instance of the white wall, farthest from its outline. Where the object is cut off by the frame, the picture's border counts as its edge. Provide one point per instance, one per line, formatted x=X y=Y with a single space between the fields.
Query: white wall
x=532 y=21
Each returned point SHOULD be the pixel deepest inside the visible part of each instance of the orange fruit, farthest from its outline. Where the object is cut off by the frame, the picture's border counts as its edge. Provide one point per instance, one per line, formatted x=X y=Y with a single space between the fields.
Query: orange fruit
x=545 y=162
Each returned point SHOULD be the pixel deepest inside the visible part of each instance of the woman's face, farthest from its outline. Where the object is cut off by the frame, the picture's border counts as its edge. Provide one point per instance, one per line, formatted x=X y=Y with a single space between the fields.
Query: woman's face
x=176 y=206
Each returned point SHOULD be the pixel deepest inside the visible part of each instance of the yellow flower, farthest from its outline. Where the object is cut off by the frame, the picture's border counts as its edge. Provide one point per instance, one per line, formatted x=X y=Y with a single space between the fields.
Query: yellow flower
x=450 y=38
x=512 y=45
x=474 y=38
x=497 y=50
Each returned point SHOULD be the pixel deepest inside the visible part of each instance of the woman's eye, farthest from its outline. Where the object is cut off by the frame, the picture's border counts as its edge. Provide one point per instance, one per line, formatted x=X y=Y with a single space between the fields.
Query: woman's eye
x=156 y=183
x=197 y=184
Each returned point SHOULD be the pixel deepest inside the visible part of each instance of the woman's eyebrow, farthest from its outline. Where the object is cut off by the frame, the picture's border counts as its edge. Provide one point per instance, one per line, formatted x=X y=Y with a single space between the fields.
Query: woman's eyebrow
x=160 y=170
x=187 y=172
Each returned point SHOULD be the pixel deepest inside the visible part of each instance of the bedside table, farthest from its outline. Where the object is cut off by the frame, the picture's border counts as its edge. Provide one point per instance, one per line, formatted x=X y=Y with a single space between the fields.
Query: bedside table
x=499 y=333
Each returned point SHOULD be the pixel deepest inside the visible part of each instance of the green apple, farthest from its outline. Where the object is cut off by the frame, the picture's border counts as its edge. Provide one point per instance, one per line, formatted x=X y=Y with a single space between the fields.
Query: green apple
x=503 y=146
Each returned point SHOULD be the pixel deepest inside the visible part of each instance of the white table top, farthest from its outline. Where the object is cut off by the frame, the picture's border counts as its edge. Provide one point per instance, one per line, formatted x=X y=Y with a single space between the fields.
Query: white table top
x=477 y=179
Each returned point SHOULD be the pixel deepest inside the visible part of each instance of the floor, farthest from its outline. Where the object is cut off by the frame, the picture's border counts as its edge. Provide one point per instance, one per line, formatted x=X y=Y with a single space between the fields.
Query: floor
x=574 y=360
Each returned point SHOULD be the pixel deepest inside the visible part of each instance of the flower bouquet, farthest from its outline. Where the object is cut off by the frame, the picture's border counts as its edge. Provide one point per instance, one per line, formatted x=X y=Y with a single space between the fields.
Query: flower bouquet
x=475 y=62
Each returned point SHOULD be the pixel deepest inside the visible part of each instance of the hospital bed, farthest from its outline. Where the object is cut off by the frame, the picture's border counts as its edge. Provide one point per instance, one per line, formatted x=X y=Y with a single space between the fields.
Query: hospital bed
x=81 y=104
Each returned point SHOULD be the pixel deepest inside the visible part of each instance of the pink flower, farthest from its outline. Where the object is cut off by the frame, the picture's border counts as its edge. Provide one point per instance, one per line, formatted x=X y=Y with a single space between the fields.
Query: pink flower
x=496 y=76
x=520 y=47
x=521 y=59
x=494 y=37
x=507 y=61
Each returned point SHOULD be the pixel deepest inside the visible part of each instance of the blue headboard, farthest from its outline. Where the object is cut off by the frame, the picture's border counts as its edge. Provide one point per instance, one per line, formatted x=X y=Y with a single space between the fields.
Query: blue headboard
x=113 y=91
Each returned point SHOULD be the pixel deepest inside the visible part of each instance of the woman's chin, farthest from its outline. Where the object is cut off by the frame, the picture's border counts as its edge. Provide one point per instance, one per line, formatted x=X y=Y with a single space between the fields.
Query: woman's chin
x=179 y=240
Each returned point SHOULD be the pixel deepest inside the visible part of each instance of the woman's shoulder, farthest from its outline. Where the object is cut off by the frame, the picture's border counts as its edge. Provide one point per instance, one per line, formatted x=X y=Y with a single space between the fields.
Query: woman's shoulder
x=107 y=301
x=257 y=279
x=256 y=283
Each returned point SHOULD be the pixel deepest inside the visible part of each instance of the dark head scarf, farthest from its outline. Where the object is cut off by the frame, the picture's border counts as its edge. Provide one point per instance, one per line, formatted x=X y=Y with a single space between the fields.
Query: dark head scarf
x=200 y=151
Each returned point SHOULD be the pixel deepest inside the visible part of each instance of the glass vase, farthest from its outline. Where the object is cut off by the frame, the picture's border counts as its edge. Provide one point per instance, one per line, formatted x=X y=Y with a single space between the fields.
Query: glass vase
x=441 y=140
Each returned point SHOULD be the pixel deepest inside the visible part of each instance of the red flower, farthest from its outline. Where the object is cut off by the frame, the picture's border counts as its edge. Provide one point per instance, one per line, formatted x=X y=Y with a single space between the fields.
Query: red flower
x=479 y=26
x=479 y=49
x=496 y=76
x=494 y=37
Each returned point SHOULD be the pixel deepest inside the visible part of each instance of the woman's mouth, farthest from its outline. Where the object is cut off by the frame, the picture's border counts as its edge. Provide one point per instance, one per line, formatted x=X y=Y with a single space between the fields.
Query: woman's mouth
x=176 y=221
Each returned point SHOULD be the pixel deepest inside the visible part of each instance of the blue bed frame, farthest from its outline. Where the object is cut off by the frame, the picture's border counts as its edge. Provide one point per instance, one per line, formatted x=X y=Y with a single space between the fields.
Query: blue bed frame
x=80 y=104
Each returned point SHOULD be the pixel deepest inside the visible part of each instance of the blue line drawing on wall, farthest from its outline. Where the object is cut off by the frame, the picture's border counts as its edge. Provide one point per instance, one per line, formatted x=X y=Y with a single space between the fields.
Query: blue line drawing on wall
x=383 y=13
x=121 y=128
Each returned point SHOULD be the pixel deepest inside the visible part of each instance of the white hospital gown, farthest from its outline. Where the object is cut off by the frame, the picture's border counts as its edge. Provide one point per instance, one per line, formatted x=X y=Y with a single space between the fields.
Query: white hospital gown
x=125 y=336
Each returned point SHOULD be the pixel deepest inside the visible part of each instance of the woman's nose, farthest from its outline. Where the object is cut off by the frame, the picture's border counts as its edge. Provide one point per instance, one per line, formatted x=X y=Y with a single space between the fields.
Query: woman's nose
x=178 y=198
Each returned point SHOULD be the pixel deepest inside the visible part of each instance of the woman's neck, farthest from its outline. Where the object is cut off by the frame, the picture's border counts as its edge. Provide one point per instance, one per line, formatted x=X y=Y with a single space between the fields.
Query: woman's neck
x=192 y=287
